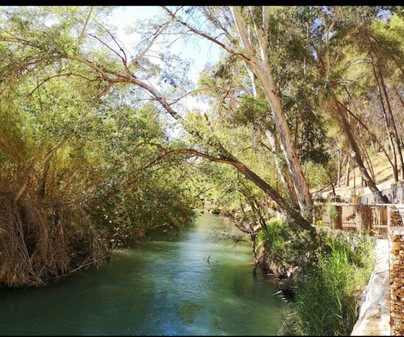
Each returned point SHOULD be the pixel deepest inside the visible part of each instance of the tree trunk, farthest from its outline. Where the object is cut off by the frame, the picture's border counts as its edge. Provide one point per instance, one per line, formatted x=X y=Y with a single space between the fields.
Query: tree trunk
x=274 y=143
x=292 y=213
x=368 y=161
x=339 y=169
x=285 y=179
x=392 y=123
x=387 y=124
x=262 y=68
x=374 y=138
x=348 y=171
x=356 y=152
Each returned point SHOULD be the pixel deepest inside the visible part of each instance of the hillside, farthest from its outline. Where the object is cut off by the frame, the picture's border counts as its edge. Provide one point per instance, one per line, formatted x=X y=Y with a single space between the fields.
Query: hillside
x=383 y=175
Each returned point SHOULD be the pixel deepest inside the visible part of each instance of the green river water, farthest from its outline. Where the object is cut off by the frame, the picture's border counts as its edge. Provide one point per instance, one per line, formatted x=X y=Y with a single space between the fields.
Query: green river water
x=164 y=287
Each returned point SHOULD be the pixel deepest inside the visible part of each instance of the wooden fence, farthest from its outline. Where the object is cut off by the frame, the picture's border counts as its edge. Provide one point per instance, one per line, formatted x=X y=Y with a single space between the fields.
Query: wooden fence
x=383 y=221
x=373 y=219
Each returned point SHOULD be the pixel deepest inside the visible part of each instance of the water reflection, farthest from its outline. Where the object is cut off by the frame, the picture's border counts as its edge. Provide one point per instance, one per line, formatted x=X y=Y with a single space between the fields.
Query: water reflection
x=157 y=288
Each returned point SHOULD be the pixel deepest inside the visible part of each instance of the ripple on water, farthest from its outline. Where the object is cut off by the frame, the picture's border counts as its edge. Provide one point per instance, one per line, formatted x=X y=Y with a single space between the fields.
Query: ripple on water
x=156 y=288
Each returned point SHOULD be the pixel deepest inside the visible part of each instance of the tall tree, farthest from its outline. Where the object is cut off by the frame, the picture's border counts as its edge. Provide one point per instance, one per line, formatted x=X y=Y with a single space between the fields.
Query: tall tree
x=250 y=42
x=332 y=30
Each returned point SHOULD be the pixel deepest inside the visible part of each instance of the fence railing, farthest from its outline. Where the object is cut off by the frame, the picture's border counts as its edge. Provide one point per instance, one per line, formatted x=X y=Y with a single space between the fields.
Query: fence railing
x=383 y=221
x=374 y=219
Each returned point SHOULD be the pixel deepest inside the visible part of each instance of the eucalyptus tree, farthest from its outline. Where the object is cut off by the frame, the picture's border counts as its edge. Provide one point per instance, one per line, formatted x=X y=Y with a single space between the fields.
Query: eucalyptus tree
x=243 y=32
x=334 y=33
x=115 y=67
x=298 y=92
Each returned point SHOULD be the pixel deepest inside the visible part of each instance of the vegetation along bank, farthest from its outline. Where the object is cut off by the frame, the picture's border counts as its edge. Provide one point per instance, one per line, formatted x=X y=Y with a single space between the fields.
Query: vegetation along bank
x=102 y=146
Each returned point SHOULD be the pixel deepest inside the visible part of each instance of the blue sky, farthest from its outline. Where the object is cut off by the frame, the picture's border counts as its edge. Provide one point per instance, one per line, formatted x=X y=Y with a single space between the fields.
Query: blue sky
x=201 y=53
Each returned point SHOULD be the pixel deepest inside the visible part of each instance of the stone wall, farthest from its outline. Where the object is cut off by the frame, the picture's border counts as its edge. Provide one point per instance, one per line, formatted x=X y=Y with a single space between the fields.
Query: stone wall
x=395 y=193
x=374 y=311
x=396 y=242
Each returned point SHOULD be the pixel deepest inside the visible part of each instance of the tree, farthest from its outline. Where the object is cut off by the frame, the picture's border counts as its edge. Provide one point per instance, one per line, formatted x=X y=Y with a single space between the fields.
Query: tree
x=73 y=155
x=333 y=31
x=251 y=45
x=127 y=75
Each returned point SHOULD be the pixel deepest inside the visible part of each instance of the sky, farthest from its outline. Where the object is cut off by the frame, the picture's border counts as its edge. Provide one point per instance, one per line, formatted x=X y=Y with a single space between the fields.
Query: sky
x=201 y=54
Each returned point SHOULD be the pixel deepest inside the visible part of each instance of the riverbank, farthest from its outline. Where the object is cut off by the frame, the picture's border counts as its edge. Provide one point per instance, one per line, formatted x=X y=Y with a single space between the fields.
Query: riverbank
x=373 y=313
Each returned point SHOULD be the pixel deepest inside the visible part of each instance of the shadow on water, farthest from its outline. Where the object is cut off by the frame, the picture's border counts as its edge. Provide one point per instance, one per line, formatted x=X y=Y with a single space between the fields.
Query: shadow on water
x=164 y=287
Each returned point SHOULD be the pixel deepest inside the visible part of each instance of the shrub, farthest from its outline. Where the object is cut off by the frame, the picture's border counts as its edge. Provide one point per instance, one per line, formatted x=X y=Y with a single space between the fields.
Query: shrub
x=286 y=248
x=327 y=293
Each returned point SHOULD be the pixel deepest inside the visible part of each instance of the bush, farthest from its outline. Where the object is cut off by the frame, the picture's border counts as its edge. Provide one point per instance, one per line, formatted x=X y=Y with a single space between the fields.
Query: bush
x=286 y=248
x=327 y=293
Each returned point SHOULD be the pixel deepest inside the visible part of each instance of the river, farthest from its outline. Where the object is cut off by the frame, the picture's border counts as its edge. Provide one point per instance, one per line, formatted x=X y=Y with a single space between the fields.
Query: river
x=164 y=287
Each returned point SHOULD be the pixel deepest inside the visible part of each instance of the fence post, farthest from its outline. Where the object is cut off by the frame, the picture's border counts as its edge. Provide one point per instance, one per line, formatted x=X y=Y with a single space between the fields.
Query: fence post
x=358 y=218
x=366 y=218
x=338 y=222
x=388 y=217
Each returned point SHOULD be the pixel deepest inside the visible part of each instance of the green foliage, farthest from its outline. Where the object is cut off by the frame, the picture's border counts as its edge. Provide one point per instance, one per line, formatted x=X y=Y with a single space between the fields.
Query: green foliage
x=319 y=175
x=74 y=156
x=334 y=268
x=86 y=187
x=75 y=129
x=286 y=247
x=332 y=209
x=275 y=236
x=327 y=293
x=253 y=111
x=157 y=205
x=320 y=224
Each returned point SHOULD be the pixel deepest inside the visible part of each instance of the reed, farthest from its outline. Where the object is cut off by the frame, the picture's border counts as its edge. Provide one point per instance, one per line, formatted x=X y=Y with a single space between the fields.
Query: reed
x=327 y=293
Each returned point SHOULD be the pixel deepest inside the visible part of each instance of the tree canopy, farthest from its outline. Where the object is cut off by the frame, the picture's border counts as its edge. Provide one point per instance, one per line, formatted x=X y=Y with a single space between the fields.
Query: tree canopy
x=99 y=147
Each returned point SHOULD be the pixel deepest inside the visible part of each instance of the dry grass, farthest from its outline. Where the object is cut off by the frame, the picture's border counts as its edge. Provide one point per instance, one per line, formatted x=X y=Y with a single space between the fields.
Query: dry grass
x=42 y=237
x=383 y=176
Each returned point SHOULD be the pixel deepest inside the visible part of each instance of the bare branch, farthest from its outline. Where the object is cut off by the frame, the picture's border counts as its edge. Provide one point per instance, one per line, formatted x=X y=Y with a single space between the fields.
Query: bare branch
x=191 y=152
x=189 y=93
x=216 y=23
x=114 y=51
x=208 y=37
x=155 y=36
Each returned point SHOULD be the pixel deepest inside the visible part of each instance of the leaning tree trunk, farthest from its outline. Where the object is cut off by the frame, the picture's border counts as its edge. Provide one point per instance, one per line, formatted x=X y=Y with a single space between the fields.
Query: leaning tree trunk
x=387 y=124
x=356 y=151
x=392 y=123
x=281 y=168
x=262 y=68
x=274 y=143
x=374 y=138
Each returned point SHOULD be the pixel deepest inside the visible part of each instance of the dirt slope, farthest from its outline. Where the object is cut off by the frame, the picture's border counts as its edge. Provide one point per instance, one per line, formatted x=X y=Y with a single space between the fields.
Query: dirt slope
x=382 y=172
